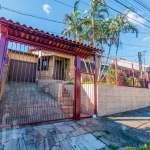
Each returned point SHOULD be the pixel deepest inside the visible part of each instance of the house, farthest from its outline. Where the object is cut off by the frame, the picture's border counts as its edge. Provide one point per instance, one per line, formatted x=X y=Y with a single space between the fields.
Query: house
x=128 y=67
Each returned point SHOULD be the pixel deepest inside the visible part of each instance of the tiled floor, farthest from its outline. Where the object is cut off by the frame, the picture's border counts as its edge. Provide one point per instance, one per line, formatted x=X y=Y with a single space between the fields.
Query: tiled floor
x=117 y=132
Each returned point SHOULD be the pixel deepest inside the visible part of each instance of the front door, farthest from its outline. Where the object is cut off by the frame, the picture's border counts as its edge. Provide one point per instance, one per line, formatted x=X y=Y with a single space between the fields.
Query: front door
x=58 y=70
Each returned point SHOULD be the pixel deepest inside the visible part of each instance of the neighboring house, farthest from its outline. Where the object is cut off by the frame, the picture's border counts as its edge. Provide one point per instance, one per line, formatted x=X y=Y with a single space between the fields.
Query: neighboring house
x=126 y=67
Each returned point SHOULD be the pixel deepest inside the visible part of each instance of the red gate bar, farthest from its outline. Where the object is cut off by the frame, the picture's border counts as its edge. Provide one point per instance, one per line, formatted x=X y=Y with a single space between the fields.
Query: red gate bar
x=95 y=86
x=3 y=49
x=77 y=88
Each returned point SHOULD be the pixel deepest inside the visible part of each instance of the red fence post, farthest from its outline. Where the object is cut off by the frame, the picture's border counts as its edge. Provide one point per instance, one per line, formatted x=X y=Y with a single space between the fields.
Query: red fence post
x=133 y=75
x=77 y=88
x=116 y=71
x=3 y=49
x=95 y=86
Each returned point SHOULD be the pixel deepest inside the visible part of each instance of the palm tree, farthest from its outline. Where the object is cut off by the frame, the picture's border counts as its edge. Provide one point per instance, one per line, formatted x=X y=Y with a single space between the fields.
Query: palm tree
x=92 y=19
x=122 y=24
x=73 y=23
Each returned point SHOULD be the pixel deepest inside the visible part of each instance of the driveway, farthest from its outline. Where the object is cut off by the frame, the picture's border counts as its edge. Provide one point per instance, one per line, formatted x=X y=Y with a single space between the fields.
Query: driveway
x=26 y=102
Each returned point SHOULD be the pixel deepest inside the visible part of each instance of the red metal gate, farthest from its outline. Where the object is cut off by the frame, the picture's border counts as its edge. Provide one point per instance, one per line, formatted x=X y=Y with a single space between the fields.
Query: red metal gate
x=40 y=78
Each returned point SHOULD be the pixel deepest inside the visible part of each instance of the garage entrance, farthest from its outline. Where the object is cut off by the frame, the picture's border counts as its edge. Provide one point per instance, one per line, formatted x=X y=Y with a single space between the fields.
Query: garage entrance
x=21 y=71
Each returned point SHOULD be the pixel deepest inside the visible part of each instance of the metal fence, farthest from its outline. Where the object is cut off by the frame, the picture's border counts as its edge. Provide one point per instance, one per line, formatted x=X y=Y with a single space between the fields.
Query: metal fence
x=36 y=85
x=121 y=72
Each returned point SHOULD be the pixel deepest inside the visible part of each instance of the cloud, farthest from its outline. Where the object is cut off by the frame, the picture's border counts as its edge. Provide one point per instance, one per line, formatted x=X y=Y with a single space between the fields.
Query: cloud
x=146 y=38
x=47 y=8
x=135 y=18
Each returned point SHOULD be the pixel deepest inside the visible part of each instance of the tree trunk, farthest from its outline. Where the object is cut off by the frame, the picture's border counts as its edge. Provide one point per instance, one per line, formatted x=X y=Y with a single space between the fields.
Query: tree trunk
x=106 y=61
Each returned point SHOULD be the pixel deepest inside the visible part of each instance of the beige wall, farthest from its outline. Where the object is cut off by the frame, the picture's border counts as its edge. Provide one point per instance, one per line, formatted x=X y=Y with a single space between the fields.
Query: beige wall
x=116 y=99
x=22 y=57
x=4 y=78
x=46 y=74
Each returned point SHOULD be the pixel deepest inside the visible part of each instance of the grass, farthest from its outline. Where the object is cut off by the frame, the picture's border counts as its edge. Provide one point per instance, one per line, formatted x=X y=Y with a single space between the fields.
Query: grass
x=146 y=146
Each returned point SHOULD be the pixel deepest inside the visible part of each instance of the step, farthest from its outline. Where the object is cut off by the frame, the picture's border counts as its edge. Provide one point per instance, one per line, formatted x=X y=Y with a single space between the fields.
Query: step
x=68 y=109
x=67 y=98
x=65 y=95
x=67 y=102
x=46 y=88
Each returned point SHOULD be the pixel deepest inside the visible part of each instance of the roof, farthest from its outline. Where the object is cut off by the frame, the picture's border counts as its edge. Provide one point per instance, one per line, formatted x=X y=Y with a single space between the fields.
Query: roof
x=128 y=64
x=40 y=39
x=21 y=52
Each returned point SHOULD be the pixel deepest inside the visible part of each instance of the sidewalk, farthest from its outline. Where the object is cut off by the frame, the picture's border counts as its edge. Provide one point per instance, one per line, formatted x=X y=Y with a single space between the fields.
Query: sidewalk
x=131 y=129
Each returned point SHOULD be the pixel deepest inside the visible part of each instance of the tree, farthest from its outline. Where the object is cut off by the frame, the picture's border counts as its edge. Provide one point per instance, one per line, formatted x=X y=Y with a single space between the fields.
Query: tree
x=92 y=20
x=121 y=24
x=73 y=23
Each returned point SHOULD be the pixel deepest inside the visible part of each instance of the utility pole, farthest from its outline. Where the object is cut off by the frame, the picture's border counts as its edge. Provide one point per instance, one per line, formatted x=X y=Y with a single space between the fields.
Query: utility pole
x=140 y=63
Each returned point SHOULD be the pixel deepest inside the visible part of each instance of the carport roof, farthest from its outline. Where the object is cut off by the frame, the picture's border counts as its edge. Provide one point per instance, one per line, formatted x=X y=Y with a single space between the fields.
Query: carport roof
x=40 y=39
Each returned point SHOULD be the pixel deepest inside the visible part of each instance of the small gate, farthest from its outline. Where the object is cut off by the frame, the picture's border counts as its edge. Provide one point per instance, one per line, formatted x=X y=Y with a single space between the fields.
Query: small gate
x=41 y=74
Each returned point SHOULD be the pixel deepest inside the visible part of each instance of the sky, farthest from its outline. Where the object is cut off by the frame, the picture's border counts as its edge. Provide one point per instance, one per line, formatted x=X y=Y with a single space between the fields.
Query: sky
x=53 y=10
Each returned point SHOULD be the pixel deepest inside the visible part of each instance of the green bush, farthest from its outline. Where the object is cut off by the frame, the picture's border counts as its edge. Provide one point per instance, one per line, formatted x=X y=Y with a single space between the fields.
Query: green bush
x=129 y=82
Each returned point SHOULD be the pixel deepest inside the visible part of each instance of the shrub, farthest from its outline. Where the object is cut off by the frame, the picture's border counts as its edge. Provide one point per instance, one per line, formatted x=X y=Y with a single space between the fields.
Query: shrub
x=129 y=82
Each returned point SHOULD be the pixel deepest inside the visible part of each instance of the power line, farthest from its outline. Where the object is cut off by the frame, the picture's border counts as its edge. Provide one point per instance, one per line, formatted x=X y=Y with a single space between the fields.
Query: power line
x=121 y=13
x=30 y=15
x=132 y=10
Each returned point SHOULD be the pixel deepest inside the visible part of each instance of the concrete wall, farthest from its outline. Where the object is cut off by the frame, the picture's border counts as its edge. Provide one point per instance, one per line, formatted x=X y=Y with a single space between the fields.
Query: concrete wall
x=4 y=78
x=116 y=99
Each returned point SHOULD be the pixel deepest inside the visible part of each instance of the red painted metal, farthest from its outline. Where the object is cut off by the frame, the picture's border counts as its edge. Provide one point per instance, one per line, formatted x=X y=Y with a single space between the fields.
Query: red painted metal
x=133 y=75
x=22 y=32
x=77 y=88
x=116 y=71
x=3 y=49
x=95 y=86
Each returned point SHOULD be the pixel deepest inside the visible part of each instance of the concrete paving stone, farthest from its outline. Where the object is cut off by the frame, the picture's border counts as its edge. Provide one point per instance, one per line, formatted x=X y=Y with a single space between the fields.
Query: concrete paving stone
x=75 y=126
x=31 y=147
x=26 y=130
x=66 y=145
x=108 y=148
x=88 y=129
x=46 y=126
x=60 y=137
x=95 y=121
x=100 y=133
x=59 y=124
x=36 y=135
x=41 y=130
x=56 y=148
x=91 y=125
x=88 y=120
x=82 y=122
x=54 y=131
x=69 y=135
x=86 y=141
x=12 y=145
x=65 y=128
x=104 y=141
x=116 y=144
x=40 y=146
x=22 y=144
x=6 y=138
x=28 y=139
x=79 y=132
x=122 y=148
x=49 y=142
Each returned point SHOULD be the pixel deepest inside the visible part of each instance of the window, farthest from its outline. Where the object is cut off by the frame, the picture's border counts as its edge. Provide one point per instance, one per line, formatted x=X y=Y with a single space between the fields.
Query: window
x=44 y=64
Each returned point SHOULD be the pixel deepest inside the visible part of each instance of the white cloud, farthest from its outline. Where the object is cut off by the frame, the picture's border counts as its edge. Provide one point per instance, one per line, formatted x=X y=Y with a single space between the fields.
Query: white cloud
x=146 y=38
x=135 y=18
x=47 y=8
